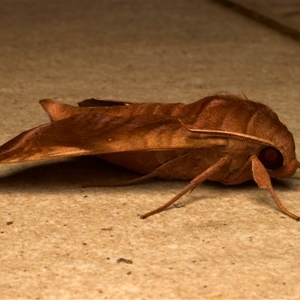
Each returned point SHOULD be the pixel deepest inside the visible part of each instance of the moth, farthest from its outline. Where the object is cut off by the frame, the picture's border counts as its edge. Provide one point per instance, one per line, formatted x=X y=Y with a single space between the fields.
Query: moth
x=221 y=138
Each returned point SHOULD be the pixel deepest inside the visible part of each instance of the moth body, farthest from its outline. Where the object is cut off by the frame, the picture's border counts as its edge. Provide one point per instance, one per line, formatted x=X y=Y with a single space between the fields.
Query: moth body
x=221 y=138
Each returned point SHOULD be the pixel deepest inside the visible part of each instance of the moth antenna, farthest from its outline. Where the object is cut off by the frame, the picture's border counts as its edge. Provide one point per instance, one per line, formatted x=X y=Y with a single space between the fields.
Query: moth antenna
x=183 y=125
x=236 y=135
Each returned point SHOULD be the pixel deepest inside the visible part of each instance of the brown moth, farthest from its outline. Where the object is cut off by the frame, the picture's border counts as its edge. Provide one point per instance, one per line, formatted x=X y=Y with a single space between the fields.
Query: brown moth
x=220 y=138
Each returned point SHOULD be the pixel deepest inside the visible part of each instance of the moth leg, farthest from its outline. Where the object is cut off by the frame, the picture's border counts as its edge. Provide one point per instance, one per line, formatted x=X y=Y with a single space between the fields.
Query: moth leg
x=263 y=180
x=143 y=178
x=197 y=180
x=125 y=182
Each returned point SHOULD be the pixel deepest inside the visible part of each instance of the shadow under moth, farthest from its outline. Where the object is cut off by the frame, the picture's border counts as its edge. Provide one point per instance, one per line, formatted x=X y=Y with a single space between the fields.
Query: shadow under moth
x=220 y=138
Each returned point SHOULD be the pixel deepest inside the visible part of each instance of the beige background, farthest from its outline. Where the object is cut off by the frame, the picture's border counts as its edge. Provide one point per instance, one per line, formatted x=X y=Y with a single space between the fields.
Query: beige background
x=59 y=240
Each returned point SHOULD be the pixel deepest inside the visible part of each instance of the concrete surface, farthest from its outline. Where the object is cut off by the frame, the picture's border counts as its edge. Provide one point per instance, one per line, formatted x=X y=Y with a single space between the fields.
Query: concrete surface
x=59 y=240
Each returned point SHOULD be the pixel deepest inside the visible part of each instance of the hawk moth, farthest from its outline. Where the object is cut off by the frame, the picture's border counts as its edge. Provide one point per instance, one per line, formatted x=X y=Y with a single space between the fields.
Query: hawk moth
x=221 y=138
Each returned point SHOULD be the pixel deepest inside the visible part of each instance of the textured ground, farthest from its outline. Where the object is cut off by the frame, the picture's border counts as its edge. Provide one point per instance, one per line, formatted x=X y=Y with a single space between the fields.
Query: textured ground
x=59 y=240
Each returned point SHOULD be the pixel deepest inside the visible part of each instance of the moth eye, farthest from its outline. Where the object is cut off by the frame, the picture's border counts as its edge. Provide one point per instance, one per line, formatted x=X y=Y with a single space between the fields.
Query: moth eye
x=271 y=158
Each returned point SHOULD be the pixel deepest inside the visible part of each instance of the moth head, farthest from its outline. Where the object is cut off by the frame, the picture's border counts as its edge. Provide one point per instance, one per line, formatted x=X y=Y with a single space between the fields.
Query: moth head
x=278 y=164
x=277 y=152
